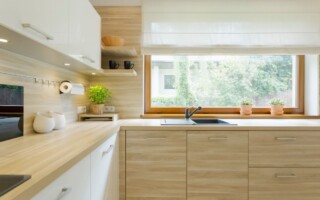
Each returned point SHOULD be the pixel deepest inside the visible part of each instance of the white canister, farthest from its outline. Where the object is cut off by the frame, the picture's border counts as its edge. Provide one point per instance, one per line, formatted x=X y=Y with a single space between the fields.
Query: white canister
x=59 y=120
x=43 y=122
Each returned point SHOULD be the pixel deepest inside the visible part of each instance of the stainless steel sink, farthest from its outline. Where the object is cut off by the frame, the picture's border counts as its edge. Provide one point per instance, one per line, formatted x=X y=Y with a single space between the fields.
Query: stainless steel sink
x=210 y=121
x=196 y=121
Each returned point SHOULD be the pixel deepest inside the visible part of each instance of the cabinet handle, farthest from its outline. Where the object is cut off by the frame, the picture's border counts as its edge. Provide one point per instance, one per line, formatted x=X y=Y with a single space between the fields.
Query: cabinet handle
x=64 y=192
x=156 y=138
x=291 y=175
x=285 y=138
x=88 y=58
x=108 y=150
x=217 y=138
x=47 y=36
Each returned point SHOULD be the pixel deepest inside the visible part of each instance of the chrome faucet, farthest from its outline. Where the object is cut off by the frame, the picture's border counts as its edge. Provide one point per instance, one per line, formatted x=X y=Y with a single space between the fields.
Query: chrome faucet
x=188 y=114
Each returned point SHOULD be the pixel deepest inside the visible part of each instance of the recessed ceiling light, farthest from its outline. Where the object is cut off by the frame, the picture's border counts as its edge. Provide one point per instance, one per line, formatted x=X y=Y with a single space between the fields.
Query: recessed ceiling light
x=93 y=73
x=66 y=64
x=3 y=40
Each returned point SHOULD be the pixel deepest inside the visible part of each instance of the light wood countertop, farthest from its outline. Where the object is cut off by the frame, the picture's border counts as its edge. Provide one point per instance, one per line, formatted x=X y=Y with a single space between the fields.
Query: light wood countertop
x=47 y=156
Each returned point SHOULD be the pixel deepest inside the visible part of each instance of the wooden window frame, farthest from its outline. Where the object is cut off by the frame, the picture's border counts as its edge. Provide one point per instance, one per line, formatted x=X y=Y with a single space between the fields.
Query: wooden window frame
x=221 y=110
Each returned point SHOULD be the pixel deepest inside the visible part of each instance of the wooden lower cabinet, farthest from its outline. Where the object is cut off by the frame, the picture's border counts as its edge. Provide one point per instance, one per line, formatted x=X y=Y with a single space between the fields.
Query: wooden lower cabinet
x=284 y=184
x=156 y=165
x=217 y=165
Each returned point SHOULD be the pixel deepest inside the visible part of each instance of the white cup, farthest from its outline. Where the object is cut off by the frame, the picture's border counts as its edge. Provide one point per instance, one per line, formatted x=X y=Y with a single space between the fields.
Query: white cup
x=43 y=122
x=59 y=119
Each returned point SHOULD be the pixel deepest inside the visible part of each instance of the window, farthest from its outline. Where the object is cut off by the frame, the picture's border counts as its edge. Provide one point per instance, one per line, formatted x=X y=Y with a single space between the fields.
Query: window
x=218 y=83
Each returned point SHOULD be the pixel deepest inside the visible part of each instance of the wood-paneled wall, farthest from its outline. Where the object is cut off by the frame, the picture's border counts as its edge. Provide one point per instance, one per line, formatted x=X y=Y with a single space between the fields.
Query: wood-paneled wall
x=127 y=91
x=38 y=97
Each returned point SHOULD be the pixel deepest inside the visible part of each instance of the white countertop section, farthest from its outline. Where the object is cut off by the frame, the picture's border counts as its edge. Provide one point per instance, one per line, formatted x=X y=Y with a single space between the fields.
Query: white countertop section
x=241 y=124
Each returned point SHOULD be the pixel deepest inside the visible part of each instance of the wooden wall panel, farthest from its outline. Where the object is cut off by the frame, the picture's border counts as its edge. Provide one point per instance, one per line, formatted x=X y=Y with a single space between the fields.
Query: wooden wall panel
x=127 y=91
x=38 y=97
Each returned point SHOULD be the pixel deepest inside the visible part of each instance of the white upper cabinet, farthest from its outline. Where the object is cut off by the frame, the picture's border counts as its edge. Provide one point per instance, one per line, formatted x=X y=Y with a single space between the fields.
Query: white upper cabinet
x=10 y=14
x=71 y=27
x=84 y=33
x=46 y=21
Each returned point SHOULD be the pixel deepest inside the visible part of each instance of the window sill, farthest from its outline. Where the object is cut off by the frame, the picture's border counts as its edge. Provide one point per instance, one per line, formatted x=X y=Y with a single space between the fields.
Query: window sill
x=231 y=116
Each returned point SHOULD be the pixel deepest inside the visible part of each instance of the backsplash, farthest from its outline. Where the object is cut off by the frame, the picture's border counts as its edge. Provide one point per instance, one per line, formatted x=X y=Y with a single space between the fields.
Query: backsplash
x=38 y=96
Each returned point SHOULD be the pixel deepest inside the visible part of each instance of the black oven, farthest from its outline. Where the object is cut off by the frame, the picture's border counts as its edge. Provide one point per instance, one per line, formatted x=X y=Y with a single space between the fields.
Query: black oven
x=11 y=111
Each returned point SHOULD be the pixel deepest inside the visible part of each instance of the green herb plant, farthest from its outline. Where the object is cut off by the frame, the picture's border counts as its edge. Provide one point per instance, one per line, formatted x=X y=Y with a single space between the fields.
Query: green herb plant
x=246 y=101
x=277 y=102
x=99 y=94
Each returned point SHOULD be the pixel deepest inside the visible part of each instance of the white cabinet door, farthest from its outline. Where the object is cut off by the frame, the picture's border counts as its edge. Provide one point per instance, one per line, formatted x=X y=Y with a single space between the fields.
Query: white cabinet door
x=72 y=185
x=101 y=161
x=46 y=21
x=52 y=191
x=10 y=14
x=84 y=33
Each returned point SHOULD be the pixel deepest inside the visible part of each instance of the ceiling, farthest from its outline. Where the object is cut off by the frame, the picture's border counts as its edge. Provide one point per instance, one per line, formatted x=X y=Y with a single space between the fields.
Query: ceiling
x=116 y=2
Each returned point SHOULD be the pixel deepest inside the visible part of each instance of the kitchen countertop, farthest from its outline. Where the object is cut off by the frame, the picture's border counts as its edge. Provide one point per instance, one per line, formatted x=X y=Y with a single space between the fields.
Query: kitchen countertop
x=47 y=156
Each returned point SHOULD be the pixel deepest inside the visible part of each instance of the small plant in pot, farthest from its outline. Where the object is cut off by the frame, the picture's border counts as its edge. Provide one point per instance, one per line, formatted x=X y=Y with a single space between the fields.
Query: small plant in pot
x=277 y=106
x=246 y=106
x=98 y=95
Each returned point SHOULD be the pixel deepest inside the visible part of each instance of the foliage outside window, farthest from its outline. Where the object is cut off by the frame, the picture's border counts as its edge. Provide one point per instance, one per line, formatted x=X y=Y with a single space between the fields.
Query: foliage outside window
x=222 y=81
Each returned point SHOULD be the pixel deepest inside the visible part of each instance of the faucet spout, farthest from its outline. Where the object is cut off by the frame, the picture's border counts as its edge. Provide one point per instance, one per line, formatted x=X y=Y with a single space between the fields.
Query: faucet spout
x=188 y=114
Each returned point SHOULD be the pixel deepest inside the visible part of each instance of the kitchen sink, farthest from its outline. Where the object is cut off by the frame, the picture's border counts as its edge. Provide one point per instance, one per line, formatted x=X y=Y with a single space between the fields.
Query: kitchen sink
x=210 y=121
x=196 y=121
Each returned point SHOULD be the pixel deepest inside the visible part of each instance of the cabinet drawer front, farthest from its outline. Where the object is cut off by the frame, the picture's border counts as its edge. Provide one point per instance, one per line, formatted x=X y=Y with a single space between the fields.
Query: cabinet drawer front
x=217 y=165
x=156 y=165
x=284 y=183
x=284 y=149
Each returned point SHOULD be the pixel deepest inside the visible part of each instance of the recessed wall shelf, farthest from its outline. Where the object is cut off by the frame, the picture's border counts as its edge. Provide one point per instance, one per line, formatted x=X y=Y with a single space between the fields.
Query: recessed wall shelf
x=119 y=51
x=117 y=72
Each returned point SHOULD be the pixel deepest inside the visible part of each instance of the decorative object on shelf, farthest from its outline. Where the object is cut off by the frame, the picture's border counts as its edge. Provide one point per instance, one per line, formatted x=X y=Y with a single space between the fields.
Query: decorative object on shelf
x=43 y=122
x=59 y=120
x=109 y=40
x=113 y=64
x=98 y=95
x=67 y=87
x=277 y=106
x=246 y=106
x=128 y=64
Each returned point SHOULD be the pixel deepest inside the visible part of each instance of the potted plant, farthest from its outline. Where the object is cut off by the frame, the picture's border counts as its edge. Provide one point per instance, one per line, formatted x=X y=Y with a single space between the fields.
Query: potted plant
x=277 y=106
x=98 y=95
x=246 y=106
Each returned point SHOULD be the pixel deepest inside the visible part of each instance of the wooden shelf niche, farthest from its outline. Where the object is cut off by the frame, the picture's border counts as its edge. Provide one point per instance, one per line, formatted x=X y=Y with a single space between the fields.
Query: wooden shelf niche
x=117 y=72
x=119 y=51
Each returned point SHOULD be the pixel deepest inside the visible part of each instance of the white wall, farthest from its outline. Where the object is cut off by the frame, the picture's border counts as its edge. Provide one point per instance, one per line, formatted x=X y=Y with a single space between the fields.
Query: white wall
x=312 y=85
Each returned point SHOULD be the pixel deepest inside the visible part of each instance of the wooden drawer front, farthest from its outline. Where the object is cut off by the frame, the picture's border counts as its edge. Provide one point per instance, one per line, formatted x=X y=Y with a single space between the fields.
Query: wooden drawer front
x=217 y=165
x=284 y=149
x=156 y=165
x=284 y=183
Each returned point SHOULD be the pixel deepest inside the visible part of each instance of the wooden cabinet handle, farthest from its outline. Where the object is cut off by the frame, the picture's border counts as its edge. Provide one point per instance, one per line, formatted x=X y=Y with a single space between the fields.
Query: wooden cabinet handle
x=108 y=150
x=64 y=192
x=285 y=138
x=290 y=175
x=217 y=138
x=155 y=138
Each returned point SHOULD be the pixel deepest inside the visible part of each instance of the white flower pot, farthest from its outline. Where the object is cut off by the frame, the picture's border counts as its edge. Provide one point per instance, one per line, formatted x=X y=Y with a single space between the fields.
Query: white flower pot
x=59 y=120
x=43 y=123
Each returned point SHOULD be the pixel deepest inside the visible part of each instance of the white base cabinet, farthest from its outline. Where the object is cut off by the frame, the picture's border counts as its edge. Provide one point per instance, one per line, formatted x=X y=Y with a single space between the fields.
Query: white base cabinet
x=72 y=185
x=102 y=160
x=93 y=178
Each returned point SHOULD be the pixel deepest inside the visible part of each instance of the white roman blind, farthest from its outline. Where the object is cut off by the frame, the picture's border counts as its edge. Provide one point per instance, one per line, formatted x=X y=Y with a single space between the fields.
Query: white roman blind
x=231 y=26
